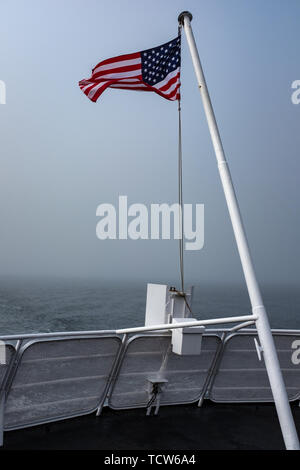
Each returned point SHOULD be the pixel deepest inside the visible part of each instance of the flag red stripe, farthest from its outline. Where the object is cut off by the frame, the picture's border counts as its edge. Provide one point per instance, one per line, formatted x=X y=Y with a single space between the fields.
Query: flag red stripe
x=87 y=89
x=173 y=95
x=126 y=87
x=127 y=68
x=125 y=73
x=170 y=82
x=100 y=91
x=133 y=82
x=135 y=55
x=145 y=88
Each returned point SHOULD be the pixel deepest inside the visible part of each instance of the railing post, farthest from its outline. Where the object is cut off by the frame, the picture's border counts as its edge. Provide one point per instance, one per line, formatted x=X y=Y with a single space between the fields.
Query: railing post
x=2 y=404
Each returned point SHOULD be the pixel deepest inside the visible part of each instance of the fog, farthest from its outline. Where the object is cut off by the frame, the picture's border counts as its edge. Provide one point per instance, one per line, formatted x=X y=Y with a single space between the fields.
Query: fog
x=62 y=156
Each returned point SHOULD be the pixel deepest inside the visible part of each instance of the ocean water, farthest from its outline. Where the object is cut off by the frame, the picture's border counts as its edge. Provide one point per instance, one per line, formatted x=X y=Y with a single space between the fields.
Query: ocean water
x=65 y=305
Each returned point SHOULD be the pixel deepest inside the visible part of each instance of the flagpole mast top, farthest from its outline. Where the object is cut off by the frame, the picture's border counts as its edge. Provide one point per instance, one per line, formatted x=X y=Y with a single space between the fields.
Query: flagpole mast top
x=182 y=15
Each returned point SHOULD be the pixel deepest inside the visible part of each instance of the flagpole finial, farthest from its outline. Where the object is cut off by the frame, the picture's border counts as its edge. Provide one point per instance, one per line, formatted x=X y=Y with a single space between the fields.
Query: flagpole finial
x=182 y=15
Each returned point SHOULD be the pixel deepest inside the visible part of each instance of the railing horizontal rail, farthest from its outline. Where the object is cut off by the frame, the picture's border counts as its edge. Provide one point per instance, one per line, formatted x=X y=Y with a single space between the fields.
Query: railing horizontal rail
x=75 y=334
x=57 y=334
x=171 y=326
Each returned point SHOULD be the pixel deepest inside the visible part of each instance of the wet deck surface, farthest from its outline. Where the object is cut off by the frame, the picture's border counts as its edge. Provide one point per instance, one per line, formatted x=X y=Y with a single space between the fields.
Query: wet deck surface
x=212 y=427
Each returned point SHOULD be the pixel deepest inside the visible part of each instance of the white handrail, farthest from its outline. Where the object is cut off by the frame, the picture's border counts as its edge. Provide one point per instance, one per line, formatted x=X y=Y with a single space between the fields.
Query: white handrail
x=171 y=326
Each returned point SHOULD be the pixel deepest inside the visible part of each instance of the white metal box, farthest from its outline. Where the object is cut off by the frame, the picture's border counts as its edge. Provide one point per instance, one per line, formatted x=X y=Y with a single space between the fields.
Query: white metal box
x=187 y=340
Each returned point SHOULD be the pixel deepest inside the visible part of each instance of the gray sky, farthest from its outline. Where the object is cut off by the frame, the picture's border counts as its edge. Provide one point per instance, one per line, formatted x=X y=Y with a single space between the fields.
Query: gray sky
x=62 y=155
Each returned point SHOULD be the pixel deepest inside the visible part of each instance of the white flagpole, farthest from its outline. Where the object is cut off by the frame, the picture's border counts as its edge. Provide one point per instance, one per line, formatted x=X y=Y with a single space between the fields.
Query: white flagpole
x=262 y=323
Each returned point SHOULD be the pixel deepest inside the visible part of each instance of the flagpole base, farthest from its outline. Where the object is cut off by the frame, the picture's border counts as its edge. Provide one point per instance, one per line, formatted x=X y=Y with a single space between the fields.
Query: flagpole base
x=182 y=15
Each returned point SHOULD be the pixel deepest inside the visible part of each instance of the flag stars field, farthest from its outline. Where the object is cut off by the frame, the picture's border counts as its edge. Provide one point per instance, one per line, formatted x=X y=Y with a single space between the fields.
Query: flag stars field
x=156 y=69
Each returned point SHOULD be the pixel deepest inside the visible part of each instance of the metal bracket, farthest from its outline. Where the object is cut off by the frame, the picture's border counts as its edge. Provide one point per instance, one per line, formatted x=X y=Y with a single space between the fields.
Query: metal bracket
x=156 y=386
x=259 y=349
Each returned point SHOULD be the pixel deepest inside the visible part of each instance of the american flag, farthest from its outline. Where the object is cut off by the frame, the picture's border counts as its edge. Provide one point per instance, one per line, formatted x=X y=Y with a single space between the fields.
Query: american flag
x=156 y=69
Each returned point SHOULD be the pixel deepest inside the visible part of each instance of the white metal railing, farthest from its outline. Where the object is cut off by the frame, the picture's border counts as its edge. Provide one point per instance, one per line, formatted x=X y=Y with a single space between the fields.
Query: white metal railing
x=171 y=326
x=224 y=334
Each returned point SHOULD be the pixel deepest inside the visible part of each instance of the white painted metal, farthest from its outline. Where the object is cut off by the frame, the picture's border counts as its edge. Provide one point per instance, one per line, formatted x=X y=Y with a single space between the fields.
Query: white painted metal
x=170 y=326
x=259 y=349
x=242 y=325
x=262 y=324
x=104 y=333
x=187 y=341
x=157 y=299
x=163 y=303
x=180 y=306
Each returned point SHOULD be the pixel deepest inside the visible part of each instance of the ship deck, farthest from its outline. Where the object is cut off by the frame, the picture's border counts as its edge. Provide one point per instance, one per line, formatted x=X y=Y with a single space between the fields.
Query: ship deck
x=186 y=427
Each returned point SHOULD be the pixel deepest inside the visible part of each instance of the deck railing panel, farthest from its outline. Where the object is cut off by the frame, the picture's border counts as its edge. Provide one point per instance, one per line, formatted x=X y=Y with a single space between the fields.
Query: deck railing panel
x=59 y=378
x=151 y=356
x=48 y=378
x=241 y=376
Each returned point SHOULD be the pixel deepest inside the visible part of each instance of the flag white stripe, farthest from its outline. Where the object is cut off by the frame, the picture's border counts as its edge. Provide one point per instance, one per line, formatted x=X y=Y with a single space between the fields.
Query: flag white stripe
x=115 y=65
x=95 y=88
x=140 y=85
x=111 y=76
x=167 y=79
x=137 y=85
x=131 y=80
x=172 y=88
x=87 y=86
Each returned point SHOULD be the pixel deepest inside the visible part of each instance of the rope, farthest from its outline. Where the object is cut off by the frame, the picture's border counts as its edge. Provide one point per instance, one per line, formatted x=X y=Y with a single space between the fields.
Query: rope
x=180 y=199
x=182 y=294
x=181 y=264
